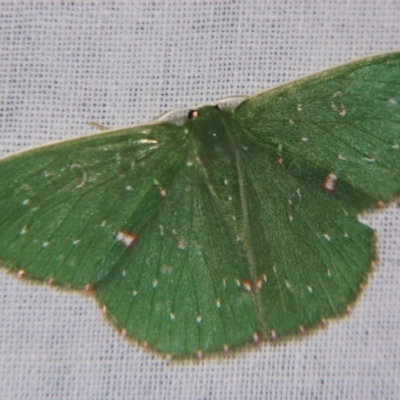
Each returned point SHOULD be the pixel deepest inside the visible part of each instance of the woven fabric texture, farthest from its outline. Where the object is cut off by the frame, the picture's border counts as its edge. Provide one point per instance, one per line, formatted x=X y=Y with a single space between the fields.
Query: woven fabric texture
x=64 y=64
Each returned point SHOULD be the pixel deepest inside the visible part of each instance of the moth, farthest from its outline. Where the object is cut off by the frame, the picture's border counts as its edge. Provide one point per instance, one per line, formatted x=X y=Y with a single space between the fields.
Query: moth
x=209 y=229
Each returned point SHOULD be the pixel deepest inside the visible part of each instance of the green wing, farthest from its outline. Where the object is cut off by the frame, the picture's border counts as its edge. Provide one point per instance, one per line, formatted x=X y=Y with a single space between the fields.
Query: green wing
x=67 y=207
x=130 y=216
x=311 y=251
x=179 y=291
x=339 y=129
x=314 y=153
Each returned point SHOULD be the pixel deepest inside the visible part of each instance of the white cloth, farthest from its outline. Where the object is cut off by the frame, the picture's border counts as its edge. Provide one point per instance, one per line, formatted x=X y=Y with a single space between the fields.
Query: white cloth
x=116 y=63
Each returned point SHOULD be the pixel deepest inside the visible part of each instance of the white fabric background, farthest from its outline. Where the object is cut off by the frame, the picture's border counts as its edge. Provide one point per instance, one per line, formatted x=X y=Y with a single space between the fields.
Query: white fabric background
x=118 y=63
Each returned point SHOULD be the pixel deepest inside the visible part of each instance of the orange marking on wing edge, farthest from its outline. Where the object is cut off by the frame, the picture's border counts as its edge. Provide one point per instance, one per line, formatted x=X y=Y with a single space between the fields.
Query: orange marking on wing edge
x=168 y=358
x=88 y=289
x=380 y=205
x=20 y=274
x=128 y=239
x=50 y=282
x=302 y=330
x=144 y=345
x=122 y=333
x=324 y=323
x=256 y=338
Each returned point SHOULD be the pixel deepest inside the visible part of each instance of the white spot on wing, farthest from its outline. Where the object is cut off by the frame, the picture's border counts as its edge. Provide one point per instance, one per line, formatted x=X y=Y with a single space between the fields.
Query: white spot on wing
x=75 y=166
x=127 y=239
x=260 y=281
x=26 y=202
x=155 y=283
x=147 y=141
x=45 y=244
x=81 y=182
x=340 y=110
x=75 y=242
x=327 y=237
x=24 y=230
x=166 y=269
x=198 y=319
x=329 y=183
x=340 y=157
x=247 y=285
x=182 y=244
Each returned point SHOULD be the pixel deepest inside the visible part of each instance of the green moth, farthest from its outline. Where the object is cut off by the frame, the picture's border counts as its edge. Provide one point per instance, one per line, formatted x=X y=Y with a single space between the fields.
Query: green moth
x=232 y=224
